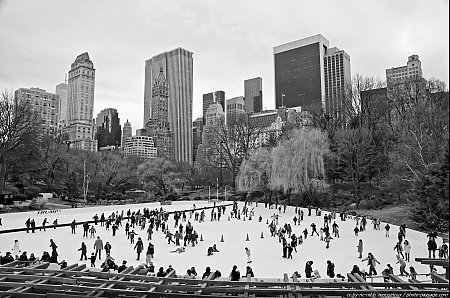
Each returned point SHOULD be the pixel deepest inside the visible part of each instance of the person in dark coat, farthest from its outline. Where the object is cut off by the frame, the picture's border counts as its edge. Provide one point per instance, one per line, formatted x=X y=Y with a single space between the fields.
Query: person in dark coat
x=308 y=269
x=122 y=267
x=83 y=250
x=139 y=247
x=330 y=269
x=235 y=275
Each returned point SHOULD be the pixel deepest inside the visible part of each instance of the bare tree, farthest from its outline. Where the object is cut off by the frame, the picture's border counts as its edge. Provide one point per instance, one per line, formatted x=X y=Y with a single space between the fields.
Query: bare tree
x=17 y=122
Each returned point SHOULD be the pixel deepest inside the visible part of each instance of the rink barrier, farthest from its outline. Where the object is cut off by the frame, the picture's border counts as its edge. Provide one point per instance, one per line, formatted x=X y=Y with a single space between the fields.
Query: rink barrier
x=51 y=226
x=38 y=280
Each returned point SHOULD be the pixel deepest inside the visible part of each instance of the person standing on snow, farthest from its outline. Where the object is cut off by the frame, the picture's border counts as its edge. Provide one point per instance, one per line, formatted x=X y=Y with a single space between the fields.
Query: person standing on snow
x=371 y=262
x=360 y=248
x=98 y=246
x=139 y=247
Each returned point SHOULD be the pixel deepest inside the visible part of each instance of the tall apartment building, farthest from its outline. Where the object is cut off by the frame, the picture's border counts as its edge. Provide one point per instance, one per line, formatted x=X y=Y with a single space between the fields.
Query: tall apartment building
x=253 y=95
x=399 y=75
x=197 y=129
x=108 y=129
x=303 y=75
x=62 y=91
x=338 y=78
x=46 y=104
x=210 y=98
x=141 y=146
x=235 y=108
x=158 y=125
x=177 y=66
x=127 y=132
x=80 y=104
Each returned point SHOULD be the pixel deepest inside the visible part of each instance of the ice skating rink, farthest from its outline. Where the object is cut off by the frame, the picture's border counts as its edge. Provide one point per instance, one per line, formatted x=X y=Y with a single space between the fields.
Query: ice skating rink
x=266 y=253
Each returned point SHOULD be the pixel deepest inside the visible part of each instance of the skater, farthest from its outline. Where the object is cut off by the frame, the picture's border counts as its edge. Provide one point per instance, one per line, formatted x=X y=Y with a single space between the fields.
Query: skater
x=314 y=230
x=308 y=269
x=93 y=257
x=16 y=249
x=28 y=224
x=360 y=248
x=248 y=254
x=371 y=262
x=330 y=269
x=235 y=275
x=92 y=230
x=356 y=230
x=114 y=229
x=131 y=236
x=44 y=222
x=432 y=247
x=53 y=245
x=407 y=249
x=55 y=223
x=85 y=229
x=399 y=249
x=107 y=248
x=98 y=246
x=412 y=273
x=139 y=247
x=443 y=250
x=72 y=226
x=150 y=253
x=327 y=240
x=387 y=227
x=83 y=250
x=402 y=264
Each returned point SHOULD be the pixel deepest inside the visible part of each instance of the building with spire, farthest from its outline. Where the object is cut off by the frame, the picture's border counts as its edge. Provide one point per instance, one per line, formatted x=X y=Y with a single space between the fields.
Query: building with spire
x=177 y=68
x=158 y=126
x=79 y=130
x=127 y=132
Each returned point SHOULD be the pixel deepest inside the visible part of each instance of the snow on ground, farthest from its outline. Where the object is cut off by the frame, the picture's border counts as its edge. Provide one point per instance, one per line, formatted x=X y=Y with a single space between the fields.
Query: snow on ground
x=266 y=252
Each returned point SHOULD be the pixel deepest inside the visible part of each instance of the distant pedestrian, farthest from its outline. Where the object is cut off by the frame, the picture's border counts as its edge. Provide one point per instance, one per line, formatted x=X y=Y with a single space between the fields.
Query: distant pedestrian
x=360 y=247
x=407 y=249
x=248 y=254
x=98 y=246
x=139 y=247
x=387 y=227
x=83 y=250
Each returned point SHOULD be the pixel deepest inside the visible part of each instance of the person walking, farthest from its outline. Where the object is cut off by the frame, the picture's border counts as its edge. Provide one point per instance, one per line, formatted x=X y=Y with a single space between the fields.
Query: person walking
x=371 y=262
x=248 y=254
x=92 y=231
x=399 y=249
x=83 y=250
x=360 y=247
x=98 y=246
x=314 y=230
x=139 y=247
x=44 y=222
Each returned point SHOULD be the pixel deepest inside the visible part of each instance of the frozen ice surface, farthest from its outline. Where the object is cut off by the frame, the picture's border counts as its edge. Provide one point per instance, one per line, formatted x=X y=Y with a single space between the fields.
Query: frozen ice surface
x=266 y=253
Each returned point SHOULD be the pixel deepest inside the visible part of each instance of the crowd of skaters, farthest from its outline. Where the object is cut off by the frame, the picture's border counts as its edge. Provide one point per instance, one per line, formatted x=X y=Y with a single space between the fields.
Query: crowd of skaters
x=156 y=220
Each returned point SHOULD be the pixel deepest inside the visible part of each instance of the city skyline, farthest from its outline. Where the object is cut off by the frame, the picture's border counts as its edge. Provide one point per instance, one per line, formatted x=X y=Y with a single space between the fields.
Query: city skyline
x=227 y=48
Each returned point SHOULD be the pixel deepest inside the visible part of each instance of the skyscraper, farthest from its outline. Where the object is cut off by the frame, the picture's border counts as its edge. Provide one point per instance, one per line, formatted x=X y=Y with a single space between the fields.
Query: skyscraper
x=177 y=67
x=210 y=98
x=299 y=79
x=80 y=104
x=108 y=130
x=235 y=108
x=158 y=125
x=44 y=103
x=310 y=75
x=337 y=81
x=253 y=95
x=62 y=91
x=127 y=132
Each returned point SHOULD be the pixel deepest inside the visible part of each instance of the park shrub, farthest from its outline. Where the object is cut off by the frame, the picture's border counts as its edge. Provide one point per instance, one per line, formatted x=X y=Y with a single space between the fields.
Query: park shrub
x=37 y=203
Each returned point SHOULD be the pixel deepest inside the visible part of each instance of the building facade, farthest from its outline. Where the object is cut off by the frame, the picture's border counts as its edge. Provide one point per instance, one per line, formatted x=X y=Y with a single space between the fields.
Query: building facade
x=158 y=125
x=44 y=103
x=177 y=67
x=310 y=74
x=337 y=78
x=412 y=70
x=235 y=108
x=253 y=95
x=127 y=132
x=62 y=91
x=141 y=146
x=108 y=131
x=80 y=104
x=210 y=98
x=197 y=129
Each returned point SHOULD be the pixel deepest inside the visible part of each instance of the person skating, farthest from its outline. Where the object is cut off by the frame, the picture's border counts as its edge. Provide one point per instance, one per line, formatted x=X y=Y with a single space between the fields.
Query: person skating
x=107 y=247
x=330 y=269
x=308 y=269
x=289 y=251
x=73 y=226
x=314 y=229
x=327 y=240
x=114 y=229
x=85 y=229
x=53 y=245
x=54 y=257
x=83 y=250
x=407 y=249
x=360 y=247
x=387 y=227
x=131 y=236
x=399 y=249
x=98 y=246
x=44 y=222
x=235 y=275
x=248 y=254
x=356 y=230
x=16 y=249
x=402 y=264
x=95 y=218
x=149 y=254
x=28 y=224
x=443 y=250
x=371 y=262
x=93 y=258
x=139 y=247
x=92 y=231
x=55 y=224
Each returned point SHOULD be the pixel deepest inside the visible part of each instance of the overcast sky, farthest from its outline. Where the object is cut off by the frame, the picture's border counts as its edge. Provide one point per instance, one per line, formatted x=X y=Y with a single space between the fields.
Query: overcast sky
x=231 y=40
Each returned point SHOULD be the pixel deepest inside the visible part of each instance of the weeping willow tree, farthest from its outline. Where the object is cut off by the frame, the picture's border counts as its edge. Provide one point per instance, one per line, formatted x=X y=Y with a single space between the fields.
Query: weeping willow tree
x=255 y=172
x=298 y=163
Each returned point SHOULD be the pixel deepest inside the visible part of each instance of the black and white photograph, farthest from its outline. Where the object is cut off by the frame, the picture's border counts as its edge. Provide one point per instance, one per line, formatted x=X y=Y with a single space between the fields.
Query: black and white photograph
x=206 y=148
